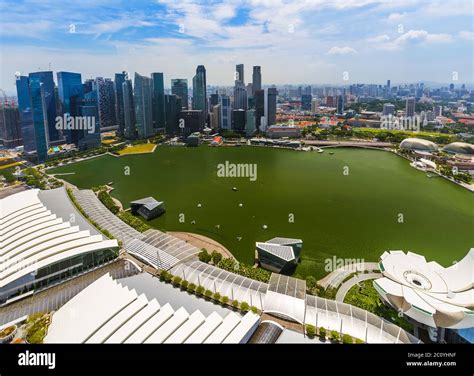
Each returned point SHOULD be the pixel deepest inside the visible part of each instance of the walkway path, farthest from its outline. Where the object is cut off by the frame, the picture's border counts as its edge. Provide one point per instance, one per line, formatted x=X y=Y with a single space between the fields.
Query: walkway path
x=346 y=286
x=201 y=241
x=335 y=278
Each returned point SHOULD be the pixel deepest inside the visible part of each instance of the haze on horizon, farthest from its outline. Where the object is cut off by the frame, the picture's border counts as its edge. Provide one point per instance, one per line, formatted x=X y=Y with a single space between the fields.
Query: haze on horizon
x=301 y=41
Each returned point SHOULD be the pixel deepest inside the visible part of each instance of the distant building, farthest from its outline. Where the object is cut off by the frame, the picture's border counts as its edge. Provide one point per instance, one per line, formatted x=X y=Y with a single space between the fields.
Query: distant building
x=199 y=90
x=256 y=79
x=239 y=73
x=250 y=124
x=10 y=131
x=147 y=207
x=315 y=105
x=158 y=99
x=330 y=101
x=143 y=106
x=240 y=96
x=130 y=131
x=388 y=109
x=193 y=121
x=270 y=101
x=216 y=117
x=340 y=104
x=306 y=102
x=410 y=107
x=238 y=120
x=27 y=125
x=119 y=79
x=105 y=102
x=277 y=131
x=179 y=87
x=226 y=112
x=193 y=139
x=279 y=254
x=172 y=115
x=259 y=107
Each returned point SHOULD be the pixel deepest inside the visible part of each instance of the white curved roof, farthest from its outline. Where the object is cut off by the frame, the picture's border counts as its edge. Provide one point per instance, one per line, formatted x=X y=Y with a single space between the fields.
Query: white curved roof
x=427 y=292
x=107 y=312
x=412 y=143
x=34 y=233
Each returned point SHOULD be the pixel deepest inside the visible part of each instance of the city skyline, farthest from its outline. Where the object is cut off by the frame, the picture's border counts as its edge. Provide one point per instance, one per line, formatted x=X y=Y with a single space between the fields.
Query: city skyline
x=370 y=40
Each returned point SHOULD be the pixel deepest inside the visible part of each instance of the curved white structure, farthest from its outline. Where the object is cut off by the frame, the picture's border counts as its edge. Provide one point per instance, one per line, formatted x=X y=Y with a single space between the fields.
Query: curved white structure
x=107 y=312
x=43 y=236
x=426 y=291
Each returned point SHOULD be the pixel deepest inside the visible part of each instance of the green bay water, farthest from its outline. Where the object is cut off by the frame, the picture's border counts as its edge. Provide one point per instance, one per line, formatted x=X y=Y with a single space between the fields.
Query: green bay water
x=354 y=215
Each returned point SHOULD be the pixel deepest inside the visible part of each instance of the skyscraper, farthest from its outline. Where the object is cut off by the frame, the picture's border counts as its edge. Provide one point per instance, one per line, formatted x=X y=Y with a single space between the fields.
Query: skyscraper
x=240 y=96
x=239 y=73
x=259 y=107
x=179 y=87
x=340 y=104
x=256 y=79
x=105 y=102
x=216 y=117
x=119 y=111
x=88 y=107
x=388 y=109
x=10 y=132
x=172 y=114
x=70 y=93
x=410 y=107
x=193 y=121
x=199 y=90
x=27 y=125
x=270 y=107
x=250 y=126
x=129 y=110
x=143 y=106
x=226 y=112
x=306 y=102
x=238 y=120
x=159 y=112
x=43 y=104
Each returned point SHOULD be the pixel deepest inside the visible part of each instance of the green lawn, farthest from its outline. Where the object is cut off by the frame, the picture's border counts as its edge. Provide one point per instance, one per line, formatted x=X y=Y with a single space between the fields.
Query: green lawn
x=348 y=216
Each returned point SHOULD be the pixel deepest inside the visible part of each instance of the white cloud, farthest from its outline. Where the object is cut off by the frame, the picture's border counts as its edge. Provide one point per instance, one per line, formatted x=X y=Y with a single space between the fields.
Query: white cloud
x=379 y=39
x=466 y=35
x=396 y=17
x=341 y=50
x=412 y=37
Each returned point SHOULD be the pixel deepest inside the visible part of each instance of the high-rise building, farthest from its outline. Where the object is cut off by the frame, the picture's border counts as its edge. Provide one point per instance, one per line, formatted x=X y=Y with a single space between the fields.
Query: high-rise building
x=129 y=110
x=172 y=114
x=270 y=107
x=119 y=79
x=199 y=90
x=315 y=105
x=388 y=109
x=239 y=73
x=88 y=107
x=306 y=102
x=179 y=87
x=70 y=93
x=330 y=101
x=43 y=104
x=213 y=100
x=240 y=96
x=216 y=117
x=307 y=90
x=410 y=107
x=250 y=126
x=256 y=79
x=27 y=126
x=259 y=107
x=193 y=121
x=142 y=93
x=226 y=112
x=105 y=102
x=10 y=132
x=340 y=104
x=438 y=111
x=158 y=99
x=238 y=120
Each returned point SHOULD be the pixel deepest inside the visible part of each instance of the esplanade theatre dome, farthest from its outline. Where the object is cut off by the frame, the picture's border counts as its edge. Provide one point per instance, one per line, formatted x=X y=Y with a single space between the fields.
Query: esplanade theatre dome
x=459 y=148
x=418 y=144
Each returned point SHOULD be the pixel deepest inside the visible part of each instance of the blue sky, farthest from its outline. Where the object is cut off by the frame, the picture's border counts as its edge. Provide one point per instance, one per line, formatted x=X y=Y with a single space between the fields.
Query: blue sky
x=301 y=41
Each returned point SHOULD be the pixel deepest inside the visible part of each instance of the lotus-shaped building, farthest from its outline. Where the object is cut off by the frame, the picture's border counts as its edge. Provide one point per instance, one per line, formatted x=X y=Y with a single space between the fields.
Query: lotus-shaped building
x=426 y=291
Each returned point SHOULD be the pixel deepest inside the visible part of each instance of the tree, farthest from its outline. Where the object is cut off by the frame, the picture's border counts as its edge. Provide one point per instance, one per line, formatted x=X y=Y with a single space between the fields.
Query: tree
x=184 y=284
x=200 y=290
x=208 y=293
x=244 y=306
x=334 y=335
x=254 y=310
x=217 y=296
x=322 y=332
x=204 y=256
x=311 y=282
x=346 y=338
x=235 y=304
x=216 y=257
x=310 y=330
x=191 y=287
x=163 y=275
x=225 y=299
x=177 y=281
